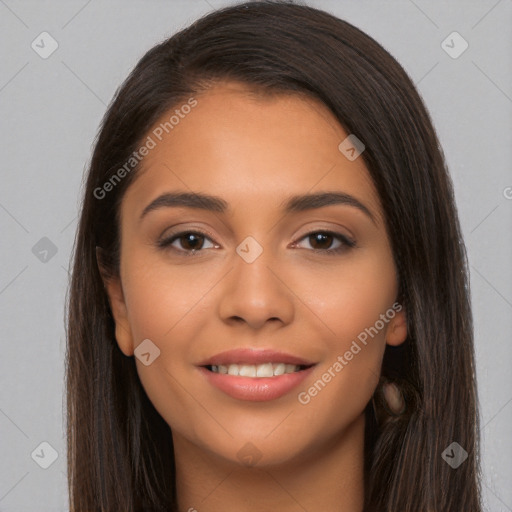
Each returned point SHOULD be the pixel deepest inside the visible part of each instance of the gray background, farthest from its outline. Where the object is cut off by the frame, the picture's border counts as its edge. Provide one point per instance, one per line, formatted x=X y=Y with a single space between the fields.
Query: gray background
x=50 y=112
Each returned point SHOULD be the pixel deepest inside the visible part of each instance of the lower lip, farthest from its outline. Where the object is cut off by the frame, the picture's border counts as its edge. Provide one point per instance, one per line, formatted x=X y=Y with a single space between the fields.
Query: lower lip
x=258 y=389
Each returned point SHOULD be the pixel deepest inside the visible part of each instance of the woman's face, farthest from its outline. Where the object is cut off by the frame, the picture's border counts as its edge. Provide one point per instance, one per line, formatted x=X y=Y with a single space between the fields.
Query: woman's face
x=266 y=288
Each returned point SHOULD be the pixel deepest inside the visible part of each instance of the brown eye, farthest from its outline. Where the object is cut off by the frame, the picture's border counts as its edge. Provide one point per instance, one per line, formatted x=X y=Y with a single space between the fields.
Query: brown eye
x=186 y=242
x=322 y=241
x=191 y=241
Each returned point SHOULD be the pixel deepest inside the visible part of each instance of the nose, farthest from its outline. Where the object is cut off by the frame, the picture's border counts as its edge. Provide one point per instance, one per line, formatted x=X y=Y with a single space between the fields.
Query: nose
x=256 y=294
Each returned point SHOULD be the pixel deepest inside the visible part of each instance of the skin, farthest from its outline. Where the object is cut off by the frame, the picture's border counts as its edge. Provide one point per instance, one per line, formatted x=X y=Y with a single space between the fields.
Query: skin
x=254 y=152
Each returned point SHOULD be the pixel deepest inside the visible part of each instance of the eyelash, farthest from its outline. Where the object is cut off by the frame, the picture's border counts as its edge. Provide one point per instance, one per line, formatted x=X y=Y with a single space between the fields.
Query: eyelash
x=346 y=242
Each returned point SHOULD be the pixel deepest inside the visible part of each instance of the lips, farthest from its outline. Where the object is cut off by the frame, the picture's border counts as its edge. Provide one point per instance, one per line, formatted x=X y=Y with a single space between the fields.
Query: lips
x=255 y=382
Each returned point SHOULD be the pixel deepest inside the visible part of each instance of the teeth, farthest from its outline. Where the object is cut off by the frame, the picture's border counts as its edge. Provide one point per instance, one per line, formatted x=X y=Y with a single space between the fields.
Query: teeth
x=247 y=371
x=233 y=369
x=265 y=370
x=279 y=369
x=290 y=368
x=260 y=370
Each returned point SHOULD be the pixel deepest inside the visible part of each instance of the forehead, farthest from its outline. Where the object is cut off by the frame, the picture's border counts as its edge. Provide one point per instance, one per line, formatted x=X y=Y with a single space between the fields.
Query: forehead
x=249 y=148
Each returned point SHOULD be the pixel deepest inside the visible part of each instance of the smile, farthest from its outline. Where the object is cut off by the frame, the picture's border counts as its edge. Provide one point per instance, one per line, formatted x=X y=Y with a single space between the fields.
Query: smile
x=256 y=371
x=255 y=383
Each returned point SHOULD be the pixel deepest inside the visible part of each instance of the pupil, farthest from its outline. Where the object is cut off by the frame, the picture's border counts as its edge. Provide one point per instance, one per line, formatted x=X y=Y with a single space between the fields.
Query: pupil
x=192 y=241
x=321 y=237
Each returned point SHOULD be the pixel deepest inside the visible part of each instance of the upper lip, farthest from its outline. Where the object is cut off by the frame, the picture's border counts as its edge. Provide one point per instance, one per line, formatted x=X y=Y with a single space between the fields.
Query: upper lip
x=253 y=356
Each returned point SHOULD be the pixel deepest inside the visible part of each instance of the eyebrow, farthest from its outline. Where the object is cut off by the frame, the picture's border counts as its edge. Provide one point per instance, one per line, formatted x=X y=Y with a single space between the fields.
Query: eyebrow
x=293 y=204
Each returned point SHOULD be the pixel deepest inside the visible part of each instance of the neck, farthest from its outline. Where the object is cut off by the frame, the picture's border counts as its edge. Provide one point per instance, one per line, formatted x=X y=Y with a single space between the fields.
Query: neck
x=328 y=476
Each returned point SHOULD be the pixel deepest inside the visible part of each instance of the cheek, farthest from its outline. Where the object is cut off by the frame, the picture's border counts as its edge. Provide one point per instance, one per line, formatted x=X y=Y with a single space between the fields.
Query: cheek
x=164 y=305
x=356 y=305
x=353 y=296
x=160 y=297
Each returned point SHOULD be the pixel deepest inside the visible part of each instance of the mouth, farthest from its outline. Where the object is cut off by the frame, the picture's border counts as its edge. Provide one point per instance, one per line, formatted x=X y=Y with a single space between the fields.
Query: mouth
x=259 y=371
x=255 y=375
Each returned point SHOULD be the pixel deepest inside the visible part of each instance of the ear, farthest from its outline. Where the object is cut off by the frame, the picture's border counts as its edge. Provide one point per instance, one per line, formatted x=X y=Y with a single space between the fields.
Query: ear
x=396 y=332
x=114 y=290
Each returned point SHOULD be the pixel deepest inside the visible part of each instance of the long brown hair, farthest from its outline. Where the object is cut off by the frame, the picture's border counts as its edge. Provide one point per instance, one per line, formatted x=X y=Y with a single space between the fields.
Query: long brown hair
x=120 y=452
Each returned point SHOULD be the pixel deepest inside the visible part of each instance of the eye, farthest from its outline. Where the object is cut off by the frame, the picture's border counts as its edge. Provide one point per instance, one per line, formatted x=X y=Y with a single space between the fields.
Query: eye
x=321 y=241
x=192 y=242
x=188 y=241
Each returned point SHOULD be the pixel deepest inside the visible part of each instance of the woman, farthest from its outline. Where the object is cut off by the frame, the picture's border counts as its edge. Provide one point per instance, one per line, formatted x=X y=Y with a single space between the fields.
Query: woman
x=269 y=303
